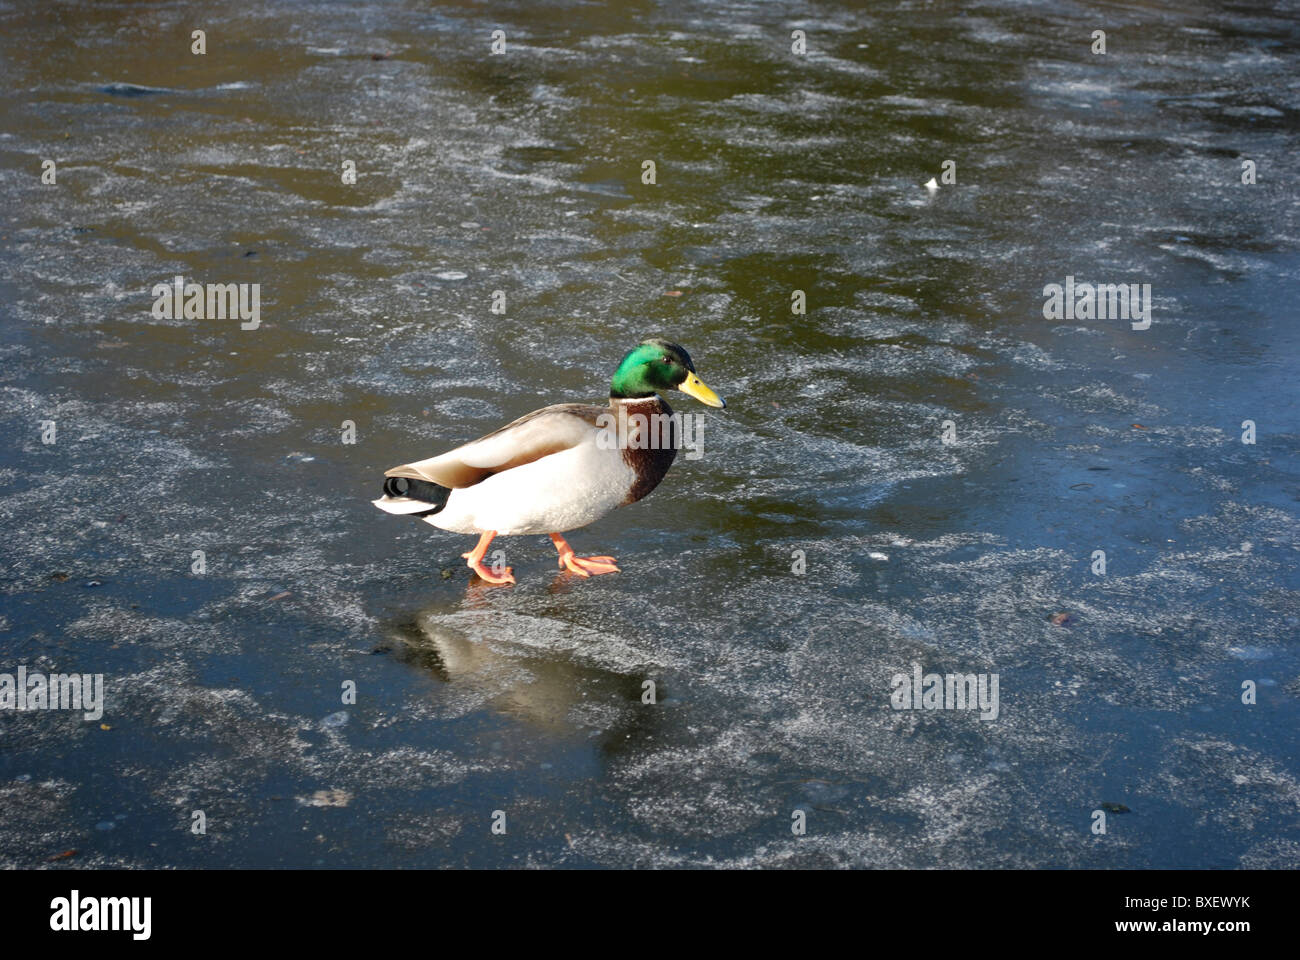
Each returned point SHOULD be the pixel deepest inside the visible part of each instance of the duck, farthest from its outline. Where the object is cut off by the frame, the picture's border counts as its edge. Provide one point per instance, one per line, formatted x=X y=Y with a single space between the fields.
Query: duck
x=556 y=469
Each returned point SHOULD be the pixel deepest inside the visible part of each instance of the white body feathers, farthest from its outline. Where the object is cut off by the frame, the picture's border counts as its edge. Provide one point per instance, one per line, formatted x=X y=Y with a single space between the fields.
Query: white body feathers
x=563 y=491
x=549 y=472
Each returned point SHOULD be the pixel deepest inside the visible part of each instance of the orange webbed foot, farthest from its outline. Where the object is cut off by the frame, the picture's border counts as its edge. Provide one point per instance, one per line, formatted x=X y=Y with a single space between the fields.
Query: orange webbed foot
x=474 y=560
x=582 y=566
x=507 y=575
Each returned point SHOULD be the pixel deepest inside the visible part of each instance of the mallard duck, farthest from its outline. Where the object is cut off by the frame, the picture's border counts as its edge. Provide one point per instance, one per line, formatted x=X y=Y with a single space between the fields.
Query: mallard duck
x=558 y=468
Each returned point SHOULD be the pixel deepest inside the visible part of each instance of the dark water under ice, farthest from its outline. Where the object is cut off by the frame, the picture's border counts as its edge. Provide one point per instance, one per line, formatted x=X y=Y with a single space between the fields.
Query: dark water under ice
x=775 y=172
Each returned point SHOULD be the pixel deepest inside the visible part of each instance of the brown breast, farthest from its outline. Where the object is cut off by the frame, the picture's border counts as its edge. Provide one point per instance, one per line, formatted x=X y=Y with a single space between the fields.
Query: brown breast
x=648 y=435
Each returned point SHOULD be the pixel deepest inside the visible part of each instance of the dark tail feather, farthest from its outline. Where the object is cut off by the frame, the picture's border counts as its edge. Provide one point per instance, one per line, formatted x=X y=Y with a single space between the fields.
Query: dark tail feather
x=430 y=493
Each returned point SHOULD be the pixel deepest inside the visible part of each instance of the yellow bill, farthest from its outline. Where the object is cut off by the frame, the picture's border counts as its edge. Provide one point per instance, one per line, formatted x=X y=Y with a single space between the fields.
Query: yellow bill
x=693 y=386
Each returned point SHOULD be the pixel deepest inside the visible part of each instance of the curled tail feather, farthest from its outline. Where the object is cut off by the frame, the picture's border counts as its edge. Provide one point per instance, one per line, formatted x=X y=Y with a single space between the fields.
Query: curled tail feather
x=412 y=497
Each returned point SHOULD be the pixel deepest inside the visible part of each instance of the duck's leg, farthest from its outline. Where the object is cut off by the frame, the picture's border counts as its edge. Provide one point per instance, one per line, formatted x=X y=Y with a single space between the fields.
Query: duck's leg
x=475 y=558
x=582 y=566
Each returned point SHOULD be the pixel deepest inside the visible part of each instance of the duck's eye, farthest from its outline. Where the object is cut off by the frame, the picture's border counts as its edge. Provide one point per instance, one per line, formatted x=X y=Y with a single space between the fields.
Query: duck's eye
x=667 y=360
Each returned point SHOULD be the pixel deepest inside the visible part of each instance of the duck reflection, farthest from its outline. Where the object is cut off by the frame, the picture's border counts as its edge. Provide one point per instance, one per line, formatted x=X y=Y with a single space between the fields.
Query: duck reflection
x=509 y=658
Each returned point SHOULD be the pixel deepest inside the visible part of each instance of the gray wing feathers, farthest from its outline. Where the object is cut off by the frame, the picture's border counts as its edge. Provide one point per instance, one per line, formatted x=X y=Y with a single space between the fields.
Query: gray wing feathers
x=531 y=437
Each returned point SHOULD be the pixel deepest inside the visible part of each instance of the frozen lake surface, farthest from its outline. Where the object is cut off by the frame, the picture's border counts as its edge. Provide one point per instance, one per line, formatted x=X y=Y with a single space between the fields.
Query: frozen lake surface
x=776 y=172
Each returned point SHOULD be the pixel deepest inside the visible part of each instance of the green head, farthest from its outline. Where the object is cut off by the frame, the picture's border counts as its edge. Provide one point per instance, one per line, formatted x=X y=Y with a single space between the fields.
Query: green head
x=657 y=365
